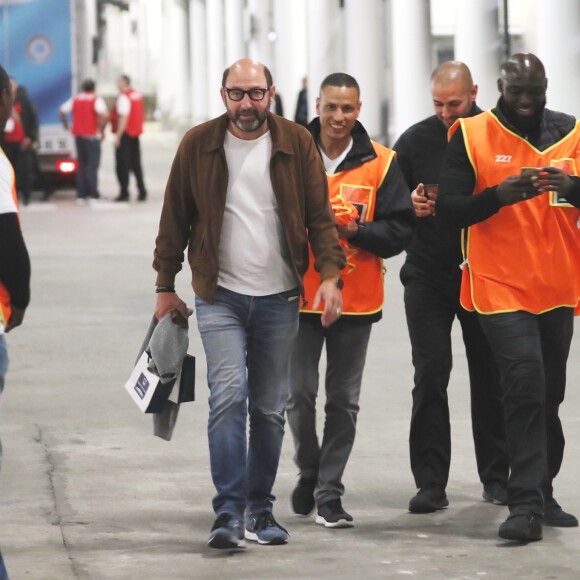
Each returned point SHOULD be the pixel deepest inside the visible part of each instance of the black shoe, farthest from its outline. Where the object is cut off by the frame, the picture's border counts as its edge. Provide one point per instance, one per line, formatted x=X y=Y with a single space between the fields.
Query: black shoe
x=522 y=528
x=495 y=493
x=264 y=529
x=122 y=198
x=142 y=197
x=428 y=499
x=227 y=533
x=331 y=515
x=302 y=500
x=556 y=517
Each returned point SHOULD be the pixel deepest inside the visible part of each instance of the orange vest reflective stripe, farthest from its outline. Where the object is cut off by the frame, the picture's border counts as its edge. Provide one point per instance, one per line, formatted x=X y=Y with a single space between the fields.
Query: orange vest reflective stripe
x=526 y=256
x=137 y=114
x=84 y=116
x=363 y=291
x=5 y=306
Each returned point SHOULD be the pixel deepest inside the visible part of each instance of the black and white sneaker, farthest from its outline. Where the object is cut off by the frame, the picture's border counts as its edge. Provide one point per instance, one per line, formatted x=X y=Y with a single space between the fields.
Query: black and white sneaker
x=227 y=533
x=264 y=529
x=331 y=515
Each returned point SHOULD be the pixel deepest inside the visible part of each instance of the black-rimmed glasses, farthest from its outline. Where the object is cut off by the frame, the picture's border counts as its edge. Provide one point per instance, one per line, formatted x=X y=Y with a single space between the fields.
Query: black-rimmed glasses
x=238 y=94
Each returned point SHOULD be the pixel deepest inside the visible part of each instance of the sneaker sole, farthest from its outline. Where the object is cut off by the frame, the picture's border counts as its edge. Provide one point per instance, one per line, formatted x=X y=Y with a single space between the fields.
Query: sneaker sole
x=430 y=510
x=493 y=500
x=253 y=537
x=339 y=524
x=225 y=542
x=518 y=536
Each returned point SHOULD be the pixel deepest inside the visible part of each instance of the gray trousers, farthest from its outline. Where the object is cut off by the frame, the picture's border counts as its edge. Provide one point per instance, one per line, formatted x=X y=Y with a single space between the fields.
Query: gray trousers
x=346 y=349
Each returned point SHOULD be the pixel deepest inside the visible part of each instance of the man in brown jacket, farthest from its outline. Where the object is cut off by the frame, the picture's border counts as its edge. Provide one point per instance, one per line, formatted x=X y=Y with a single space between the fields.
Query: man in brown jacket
x=246 y=192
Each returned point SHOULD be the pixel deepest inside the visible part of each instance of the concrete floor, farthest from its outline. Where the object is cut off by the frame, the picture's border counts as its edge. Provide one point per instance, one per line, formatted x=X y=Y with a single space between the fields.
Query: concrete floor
x=88 y=492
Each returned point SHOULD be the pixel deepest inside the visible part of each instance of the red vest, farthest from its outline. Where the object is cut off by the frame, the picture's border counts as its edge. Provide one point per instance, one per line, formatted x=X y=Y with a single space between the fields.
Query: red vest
x=84 y=116
x=5 y=306
x=526 y=256
x=363 y=291
x=137 y=114
x=14 y=131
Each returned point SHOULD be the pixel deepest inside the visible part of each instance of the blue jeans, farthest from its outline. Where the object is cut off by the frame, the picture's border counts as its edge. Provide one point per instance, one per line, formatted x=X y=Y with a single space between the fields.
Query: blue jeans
x=3 y=572
x=247 y=342
x=3 y=370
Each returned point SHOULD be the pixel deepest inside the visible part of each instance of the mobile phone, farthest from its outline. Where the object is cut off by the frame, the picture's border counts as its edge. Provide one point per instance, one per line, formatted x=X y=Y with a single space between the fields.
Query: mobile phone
x=432 y=188
x=530 y=172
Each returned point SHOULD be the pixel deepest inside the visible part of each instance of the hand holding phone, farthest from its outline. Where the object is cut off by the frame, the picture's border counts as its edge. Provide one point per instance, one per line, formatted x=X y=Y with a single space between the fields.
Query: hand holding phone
x=528 y=172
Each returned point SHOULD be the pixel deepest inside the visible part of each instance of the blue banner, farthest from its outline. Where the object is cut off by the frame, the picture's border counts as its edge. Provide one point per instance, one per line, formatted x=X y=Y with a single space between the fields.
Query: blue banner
x=36 y=50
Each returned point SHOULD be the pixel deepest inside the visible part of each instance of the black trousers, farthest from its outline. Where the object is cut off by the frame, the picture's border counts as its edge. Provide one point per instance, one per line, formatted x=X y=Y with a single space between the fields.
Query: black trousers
x=431 y=306
x=532 y=353
x=128 y=159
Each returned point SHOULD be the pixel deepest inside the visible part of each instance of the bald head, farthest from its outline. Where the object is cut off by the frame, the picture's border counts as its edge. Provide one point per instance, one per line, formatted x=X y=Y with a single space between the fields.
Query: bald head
x=247 y=66
x=523 y=85
x=523 y=64
x=452 y=91
x=453 y=71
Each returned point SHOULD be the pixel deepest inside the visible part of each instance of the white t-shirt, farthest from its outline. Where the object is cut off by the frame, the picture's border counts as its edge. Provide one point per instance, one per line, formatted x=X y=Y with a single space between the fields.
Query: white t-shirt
x=100 y=106
x=123 y=105
x=331 y=164
x=7 y=204
x=253 y=258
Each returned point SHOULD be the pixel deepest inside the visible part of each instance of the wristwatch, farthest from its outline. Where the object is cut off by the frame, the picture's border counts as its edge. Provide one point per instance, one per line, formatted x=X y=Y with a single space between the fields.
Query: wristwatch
x=339 y=282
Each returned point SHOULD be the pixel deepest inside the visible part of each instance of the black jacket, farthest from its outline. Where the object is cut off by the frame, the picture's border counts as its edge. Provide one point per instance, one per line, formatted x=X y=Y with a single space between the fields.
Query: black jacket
x=393 y=223
x=421 y=150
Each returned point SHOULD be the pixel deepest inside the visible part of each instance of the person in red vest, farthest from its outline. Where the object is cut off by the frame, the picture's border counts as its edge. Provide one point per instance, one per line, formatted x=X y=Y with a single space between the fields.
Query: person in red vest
x=127 y=123
x=20 y=133
x=510 y=178
x=375 y=218
x=89 y=116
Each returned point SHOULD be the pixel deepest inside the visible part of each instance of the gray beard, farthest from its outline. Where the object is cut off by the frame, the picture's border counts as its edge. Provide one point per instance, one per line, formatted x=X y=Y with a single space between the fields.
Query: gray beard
x=249 y=126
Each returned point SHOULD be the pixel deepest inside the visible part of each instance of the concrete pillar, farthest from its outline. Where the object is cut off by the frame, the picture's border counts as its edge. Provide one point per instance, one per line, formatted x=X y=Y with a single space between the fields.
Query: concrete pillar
x=362 y=58
x=198 y=62
x=173 y=97
x=324 y=45
x=560 y=53
x=216 y=62
x=478 y=45
x=290 y=54
x=236 y=47
x=412 y=64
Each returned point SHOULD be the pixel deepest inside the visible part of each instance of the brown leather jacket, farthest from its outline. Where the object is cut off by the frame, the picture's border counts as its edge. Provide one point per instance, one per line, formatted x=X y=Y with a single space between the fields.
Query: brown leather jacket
x=195 y=196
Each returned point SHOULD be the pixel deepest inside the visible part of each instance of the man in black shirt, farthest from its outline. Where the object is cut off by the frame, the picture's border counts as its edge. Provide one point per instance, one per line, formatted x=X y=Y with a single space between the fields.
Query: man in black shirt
x=432 y=277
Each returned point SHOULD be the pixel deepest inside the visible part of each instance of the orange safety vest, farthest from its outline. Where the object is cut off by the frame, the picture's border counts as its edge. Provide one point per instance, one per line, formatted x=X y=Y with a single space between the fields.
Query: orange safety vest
x=84 y=116
x=5 y=306
x=526 y=256
x=363 y=291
